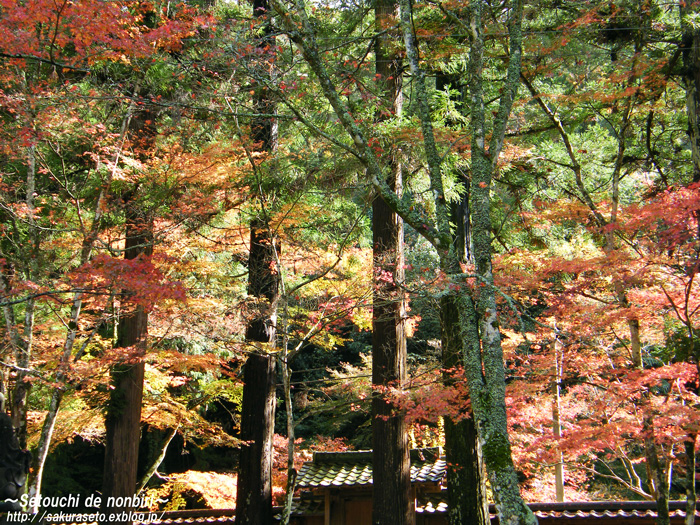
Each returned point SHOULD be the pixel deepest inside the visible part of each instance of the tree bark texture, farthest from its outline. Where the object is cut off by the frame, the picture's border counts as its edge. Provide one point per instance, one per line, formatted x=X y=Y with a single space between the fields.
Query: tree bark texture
x=123 y=418
x=254 y=491
x=391 y=463
x=466 y=477
x=263 y=283
x=484 y=356
x=391 y=489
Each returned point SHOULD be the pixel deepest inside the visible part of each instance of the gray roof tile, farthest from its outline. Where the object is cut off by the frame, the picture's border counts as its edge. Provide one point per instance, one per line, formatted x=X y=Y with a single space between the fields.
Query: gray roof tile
x=344 y=469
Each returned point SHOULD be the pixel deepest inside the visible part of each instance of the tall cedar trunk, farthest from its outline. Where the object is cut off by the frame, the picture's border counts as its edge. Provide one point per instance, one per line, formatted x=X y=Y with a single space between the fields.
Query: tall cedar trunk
x=254 y=491
x=263 y=284
x=466 y=477
x=263 y=280
x=123 y=418
x=391 y=489
x=391 y=463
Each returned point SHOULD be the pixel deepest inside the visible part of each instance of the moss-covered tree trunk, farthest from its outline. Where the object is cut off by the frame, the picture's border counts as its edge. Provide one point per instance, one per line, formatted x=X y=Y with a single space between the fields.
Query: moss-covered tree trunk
x=484 y=356
x=478 y=317
x=466 y=475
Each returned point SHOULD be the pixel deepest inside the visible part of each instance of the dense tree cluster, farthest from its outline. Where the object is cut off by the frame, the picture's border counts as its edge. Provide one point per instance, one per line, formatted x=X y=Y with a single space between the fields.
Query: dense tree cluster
x=381 y=224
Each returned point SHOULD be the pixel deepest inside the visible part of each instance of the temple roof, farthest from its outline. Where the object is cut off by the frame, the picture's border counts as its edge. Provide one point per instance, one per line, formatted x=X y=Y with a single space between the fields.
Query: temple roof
x=346 y=469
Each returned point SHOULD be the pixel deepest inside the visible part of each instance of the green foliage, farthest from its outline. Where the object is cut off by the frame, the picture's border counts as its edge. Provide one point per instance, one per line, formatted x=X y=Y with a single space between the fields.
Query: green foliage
x=679 y=345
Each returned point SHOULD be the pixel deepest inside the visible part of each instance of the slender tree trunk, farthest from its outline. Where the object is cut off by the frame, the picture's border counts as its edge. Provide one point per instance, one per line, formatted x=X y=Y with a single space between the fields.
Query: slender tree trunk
x=3 y=383
x=391 y=488
x=657 y=474
x=556 y=417
x=289 y=409
x=49 y=424
x=484 y=356
x=254 y=491
x=691 y=495
x=153 y=468
x=44 y=445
